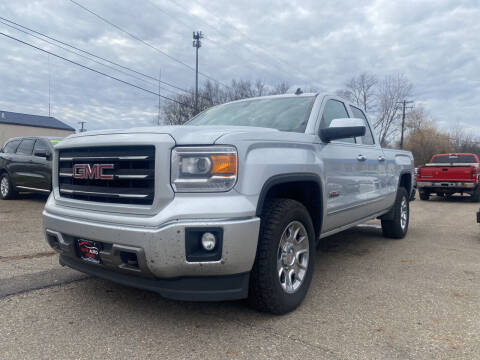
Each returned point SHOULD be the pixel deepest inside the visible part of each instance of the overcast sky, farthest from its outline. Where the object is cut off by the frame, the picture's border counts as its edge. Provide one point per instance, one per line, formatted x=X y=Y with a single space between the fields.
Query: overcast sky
x=308 y=43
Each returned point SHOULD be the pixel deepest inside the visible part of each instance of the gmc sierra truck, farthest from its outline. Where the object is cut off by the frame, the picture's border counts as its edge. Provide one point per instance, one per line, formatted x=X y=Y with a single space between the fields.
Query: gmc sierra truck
x=230 y=205
x=447 y=174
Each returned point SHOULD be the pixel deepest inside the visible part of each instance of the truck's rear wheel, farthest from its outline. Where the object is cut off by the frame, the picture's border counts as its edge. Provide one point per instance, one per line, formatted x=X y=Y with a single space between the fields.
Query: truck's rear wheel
x=285 y=258
x=424 y=195
x=397 y=227
x=476 y=195
x=7 y=190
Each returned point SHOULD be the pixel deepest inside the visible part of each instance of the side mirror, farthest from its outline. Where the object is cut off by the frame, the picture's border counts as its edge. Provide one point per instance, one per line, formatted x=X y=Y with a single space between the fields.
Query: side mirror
x=343 y=128
x=43 y=153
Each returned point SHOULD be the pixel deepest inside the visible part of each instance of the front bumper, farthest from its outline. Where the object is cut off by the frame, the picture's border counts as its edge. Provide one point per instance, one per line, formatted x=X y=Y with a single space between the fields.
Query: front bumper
x=161 y=255
x=191 y=288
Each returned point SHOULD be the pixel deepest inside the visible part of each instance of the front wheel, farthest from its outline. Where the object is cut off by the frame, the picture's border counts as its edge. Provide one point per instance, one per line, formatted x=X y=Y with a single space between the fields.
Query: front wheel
x=285 y=259
x=397 y=227
x=7 y=190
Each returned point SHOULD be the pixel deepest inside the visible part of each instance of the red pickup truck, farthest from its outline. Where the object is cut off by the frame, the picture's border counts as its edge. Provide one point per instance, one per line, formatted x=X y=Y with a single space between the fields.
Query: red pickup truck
x=447 y=174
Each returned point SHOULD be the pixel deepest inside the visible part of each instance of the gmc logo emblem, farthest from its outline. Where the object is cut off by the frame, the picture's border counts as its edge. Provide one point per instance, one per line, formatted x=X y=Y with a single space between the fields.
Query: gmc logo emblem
x=95 y=171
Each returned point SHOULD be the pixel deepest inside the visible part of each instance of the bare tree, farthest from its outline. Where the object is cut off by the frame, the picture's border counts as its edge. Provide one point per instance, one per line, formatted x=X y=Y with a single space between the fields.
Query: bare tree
x=345 y=94
x=361 y=90
x=211 y=94
x=391 y=90
x=464 y=141
x=280 y=88
x=416 y=119
x=427 y=141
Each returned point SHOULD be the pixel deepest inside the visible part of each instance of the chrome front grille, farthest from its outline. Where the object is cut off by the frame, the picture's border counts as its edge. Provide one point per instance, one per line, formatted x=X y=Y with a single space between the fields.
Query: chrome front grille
x=114 y=174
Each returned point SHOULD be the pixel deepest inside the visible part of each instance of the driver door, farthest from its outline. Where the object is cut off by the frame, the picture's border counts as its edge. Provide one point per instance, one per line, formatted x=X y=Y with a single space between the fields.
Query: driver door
x=342 y=170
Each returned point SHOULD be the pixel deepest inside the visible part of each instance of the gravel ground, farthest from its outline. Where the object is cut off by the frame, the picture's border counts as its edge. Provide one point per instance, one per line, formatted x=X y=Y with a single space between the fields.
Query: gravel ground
x=370 y=298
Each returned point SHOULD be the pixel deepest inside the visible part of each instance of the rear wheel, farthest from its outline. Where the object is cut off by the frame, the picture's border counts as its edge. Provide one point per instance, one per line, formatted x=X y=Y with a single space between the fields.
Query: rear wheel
x=7 y=191
x=476 y=195
x=284 y=263
x=424 y=195
x=397 y=227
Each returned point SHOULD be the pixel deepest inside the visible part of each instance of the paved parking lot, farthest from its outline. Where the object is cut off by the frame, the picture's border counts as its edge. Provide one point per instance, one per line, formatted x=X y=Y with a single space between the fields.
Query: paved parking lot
x=370 y=298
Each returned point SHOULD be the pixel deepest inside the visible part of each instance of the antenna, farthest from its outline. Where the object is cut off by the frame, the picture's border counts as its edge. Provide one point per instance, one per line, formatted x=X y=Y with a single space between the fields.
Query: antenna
x=82 y=129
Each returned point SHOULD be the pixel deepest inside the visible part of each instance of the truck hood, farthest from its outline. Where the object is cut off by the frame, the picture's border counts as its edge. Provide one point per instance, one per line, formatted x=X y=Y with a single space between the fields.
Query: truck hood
x=187 y=135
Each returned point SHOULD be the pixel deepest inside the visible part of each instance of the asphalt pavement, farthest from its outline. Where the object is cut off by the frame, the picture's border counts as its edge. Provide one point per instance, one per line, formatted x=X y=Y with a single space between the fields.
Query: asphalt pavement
x=370 y=298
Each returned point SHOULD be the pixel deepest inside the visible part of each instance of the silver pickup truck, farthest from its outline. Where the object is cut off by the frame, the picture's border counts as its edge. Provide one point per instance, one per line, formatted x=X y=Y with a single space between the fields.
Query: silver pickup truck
x=231 y=205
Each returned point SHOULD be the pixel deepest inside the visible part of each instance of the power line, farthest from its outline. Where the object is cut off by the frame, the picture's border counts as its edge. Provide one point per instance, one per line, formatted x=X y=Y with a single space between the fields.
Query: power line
x=189 y=27
x=86 y=57
x=91 y=69
x=91 y=54
x=73 y=52
x=145 y=42
x=265 y=51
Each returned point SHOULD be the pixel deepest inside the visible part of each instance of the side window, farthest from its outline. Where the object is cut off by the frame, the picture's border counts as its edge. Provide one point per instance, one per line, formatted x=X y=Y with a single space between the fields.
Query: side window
x=11 y=147
x=367 y=139
x=334 y=109
x=40 y=145
x=26 y=147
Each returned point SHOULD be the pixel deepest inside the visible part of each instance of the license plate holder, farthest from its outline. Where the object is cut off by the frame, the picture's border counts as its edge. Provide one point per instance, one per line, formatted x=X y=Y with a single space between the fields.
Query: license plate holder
x=89 y=250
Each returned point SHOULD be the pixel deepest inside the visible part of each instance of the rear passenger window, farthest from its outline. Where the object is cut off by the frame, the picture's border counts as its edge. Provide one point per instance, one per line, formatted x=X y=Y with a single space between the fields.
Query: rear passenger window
x=367 y=139
x=11 y=147
x=26 y=147
x=40 y=145
x=335 y=109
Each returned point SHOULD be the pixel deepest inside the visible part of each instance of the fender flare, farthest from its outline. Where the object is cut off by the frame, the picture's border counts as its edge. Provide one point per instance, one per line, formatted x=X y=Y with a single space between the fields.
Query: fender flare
x=286 y=178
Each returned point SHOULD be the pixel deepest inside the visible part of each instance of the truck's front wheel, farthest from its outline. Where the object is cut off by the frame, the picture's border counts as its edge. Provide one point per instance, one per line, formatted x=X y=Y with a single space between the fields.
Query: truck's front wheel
x=285 y=258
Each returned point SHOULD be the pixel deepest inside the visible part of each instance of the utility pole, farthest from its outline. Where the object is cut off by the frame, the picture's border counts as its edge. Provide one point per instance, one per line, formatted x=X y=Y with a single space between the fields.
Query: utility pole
x=404 y=107
x=82 y=129
x=197 y=36
x=159 y=97
x=49 y=88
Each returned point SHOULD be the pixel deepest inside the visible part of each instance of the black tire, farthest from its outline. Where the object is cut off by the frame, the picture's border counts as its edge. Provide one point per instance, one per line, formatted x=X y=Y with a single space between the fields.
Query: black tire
x=394 y=228
x=412 y=195
x=475 y=195
x=8 y=192
x=424 y=195
x=265 y=291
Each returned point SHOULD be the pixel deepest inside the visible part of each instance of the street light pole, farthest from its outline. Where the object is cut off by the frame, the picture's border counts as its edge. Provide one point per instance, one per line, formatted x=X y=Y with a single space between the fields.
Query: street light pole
x=197 y=36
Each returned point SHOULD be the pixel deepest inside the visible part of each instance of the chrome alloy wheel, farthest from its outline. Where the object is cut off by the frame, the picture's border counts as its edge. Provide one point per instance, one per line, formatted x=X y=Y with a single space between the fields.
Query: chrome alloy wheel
x=292 y=257
x=4 y=187
x=403 y=214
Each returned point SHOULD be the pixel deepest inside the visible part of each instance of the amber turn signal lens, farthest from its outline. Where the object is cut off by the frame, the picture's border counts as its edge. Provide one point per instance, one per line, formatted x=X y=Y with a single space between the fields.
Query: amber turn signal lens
x=224 y=164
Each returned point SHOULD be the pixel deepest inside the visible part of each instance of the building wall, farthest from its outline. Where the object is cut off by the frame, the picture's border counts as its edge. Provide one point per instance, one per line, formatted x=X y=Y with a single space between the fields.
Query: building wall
x=8 y=131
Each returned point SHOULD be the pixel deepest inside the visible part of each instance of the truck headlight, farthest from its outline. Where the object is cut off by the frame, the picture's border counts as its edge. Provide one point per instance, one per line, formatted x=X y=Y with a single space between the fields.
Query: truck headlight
x=204 y=169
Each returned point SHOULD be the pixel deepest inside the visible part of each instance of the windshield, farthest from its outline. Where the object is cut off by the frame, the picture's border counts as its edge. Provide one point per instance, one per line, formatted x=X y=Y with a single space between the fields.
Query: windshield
x=447 y=159
x=286 y=114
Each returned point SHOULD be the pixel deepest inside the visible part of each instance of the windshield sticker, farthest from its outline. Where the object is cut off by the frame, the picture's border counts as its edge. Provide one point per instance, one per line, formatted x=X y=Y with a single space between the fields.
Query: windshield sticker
x=54 y=141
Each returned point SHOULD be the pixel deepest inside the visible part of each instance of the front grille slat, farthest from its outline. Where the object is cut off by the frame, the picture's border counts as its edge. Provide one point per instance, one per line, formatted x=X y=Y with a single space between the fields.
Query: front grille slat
x=133 y=174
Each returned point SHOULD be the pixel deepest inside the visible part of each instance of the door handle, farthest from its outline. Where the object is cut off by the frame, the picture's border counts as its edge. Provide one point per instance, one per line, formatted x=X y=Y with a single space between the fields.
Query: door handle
x=381 y=158
x=361 y=157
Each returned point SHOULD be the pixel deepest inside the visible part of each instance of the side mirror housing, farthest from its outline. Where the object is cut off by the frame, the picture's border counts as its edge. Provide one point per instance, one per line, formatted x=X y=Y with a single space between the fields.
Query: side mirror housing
x=343 y=128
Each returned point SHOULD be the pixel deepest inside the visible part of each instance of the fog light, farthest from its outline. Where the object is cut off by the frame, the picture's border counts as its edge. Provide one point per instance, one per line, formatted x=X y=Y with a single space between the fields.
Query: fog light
x=208 y=241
